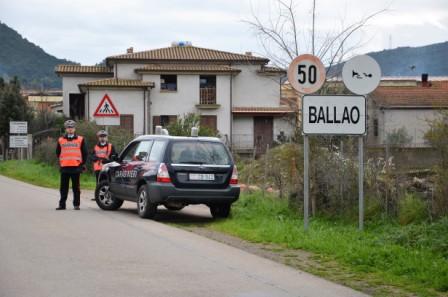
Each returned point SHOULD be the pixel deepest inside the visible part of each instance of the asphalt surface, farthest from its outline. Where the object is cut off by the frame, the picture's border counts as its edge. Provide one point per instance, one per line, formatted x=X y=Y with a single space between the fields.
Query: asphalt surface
x=44 y=252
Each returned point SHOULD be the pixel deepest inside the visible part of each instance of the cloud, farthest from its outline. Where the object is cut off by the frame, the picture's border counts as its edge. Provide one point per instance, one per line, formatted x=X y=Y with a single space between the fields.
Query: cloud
x=87 y=31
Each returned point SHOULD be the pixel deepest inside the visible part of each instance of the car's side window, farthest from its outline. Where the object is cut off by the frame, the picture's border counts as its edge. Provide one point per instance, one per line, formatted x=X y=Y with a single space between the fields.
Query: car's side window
x=157 y=151
x=143 y=149
x=130 y=151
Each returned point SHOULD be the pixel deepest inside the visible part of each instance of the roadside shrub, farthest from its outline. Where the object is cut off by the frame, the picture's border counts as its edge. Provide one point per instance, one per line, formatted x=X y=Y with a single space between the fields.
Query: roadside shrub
x=439 y=203
x=437 y=136
x=373 y=208
x=411 y=209
x=45 y=152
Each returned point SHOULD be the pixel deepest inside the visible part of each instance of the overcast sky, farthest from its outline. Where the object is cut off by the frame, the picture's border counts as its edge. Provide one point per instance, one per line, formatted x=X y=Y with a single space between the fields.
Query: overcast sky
x=87 y=31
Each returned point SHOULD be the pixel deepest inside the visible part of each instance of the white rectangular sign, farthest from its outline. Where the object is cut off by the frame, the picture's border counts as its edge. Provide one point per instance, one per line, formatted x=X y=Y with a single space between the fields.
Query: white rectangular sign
x=334 y=115
x=18 y=127
x=18 y=141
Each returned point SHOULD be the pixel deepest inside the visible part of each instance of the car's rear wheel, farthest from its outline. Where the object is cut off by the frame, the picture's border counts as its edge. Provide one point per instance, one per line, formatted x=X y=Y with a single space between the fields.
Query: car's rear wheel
x=146 y=209
x=104 y=198
x=220 y=210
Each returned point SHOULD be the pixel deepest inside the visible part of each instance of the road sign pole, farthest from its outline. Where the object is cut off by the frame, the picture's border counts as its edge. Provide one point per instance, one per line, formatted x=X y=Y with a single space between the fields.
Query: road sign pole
x=361 y=181
x=306 y=182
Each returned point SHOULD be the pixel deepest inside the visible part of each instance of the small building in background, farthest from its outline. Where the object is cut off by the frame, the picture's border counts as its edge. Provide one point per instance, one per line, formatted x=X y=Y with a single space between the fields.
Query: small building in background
x=401 y=108
x=44 y=100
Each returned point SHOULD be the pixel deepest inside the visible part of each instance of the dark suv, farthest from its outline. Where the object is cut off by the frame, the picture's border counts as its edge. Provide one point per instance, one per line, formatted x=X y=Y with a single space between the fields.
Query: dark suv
x=172 y=171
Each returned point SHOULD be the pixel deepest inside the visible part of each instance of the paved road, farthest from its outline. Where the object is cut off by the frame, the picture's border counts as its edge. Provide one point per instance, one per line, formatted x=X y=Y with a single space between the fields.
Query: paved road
x=90 y=252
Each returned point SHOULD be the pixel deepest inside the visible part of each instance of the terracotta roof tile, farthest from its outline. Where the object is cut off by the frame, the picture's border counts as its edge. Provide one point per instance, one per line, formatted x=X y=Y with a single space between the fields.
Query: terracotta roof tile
x=157 y=68
x=188 y=53
x=408 y=97
x=256 y=109
x=118 y=83
x=83 y=69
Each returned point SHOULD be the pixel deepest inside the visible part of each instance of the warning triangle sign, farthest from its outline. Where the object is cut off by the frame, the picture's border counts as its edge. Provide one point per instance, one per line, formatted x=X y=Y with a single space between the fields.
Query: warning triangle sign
x=106 y=108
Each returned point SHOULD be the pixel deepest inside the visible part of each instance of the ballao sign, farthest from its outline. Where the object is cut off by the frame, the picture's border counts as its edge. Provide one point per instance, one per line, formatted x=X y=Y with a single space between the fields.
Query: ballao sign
x=341 y=115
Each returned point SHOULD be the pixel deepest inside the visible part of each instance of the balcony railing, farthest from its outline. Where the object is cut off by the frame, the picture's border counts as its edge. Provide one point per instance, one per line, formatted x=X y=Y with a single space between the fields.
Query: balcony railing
x=207 y=96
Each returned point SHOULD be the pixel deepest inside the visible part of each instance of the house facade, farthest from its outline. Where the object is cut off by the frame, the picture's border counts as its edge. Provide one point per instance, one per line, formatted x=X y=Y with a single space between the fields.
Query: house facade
x=404 y=108
x=237 y=95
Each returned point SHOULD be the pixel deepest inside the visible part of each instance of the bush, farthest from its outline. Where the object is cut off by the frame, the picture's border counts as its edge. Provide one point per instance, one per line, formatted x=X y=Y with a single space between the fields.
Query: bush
x=183 y=125
x=411 y=209
x=437 y=136
x=45 y=152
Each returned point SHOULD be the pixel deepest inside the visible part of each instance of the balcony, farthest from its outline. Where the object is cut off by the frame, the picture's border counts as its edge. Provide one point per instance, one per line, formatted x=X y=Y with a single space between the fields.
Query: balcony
x=207 y=98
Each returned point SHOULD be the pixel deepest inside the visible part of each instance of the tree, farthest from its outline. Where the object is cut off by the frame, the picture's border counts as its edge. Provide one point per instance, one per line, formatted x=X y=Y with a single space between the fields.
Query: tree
x=13 y=107
x=281 y=36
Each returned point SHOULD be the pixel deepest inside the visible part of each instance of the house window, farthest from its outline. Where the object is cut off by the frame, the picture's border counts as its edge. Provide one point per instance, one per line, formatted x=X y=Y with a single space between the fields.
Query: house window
x=207 y=89
x=375 y=127
x=168 y=82
x=209 y=121
x=163 y=120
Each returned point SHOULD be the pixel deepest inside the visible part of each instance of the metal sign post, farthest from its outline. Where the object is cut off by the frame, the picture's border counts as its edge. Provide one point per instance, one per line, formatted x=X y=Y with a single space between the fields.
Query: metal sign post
x=333 y=115
x=361 y=181
x=361 y=75
x=306 y=74
x=306 y=182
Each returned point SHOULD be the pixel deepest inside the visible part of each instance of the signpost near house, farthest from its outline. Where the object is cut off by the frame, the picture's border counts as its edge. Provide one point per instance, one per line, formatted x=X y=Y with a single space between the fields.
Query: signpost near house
x=334 y=115
x=306 y=74
x=18 y=137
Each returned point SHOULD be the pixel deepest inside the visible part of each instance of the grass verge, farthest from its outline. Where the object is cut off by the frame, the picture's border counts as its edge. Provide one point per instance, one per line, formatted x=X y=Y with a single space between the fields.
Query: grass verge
x=413 y=258
x=40 y=174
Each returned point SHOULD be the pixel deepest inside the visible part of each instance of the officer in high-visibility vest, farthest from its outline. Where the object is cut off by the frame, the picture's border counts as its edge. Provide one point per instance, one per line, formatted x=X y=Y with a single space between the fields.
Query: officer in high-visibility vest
x=103 y=153
x=72 y=154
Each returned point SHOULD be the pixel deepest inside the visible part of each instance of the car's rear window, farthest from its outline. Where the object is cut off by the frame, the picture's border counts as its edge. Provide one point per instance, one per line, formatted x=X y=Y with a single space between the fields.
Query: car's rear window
x=199 y=152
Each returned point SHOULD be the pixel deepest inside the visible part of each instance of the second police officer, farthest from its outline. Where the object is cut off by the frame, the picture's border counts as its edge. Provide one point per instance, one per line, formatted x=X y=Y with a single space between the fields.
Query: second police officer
x=103 y=153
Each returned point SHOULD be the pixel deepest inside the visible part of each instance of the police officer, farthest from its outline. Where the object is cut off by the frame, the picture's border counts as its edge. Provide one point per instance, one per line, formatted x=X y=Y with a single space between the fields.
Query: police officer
x=72 y=154
x=103 y=152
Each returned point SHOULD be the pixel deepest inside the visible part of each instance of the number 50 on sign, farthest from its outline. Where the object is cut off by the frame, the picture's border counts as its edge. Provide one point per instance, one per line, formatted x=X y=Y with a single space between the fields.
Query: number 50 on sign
x=306 y=74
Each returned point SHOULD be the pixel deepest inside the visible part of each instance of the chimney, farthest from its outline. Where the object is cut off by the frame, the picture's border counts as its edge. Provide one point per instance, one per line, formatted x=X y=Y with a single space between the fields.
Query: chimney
x=248 y=53
x=425 y=81
x=130 y=50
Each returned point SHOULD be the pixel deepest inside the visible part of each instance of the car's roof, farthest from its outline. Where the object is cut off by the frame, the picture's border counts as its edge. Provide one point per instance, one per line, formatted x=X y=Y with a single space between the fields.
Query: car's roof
x=169 y=137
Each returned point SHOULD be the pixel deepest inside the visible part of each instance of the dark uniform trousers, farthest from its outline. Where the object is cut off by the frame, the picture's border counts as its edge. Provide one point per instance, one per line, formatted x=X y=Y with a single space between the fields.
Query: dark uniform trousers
x=65 y=179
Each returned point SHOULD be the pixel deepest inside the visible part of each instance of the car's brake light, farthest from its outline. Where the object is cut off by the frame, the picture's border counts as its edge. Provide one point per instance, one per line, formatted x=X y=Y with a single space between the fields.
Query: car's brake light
x=162 y=174
x=234 y=177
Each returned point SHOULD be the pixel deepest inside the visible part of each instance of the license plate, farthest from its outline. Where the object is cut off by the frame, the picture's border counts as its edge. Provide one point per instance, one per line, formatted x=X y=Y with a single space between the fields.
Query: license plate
x=201 y=176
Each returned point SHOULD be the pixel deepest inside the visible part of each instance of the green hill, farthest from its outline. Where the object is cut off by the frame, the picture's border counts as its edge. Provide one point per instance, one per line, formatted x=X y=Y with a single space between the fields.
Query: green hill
x=30 y=63
x=410 y=61
x=413 y=61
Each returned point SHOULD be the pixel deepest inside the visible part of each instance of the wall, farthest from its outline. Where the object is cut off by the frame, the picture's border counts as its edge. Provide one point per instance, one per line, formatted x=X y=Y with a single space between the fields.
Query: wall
x=70 y=86
x=186 y=97
x=285 y=124
x=126 y=71
x=127 y=101
x=253 y=89
x=414 y=120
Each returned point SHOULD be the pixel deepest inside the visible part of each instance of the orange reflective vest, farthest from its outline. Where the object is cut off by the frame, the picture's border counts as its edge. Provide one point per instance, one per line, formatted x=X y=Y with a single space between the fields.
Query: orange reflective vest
x=71 y=155
x=101 y=152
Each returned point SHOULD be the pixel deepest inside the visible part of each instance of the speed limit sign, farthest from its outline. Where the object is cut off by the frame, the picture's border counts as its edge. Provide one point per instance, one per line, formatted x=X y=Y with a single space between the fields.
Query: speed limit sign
x=306 y=74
